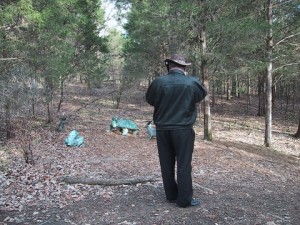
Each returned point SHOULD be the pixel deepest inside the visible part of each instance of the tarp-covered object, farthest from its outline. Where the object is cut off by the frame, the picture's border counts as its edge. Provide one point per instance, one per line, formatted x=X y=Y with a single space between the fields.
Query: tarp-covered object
x=74 y=139
x=124 y=125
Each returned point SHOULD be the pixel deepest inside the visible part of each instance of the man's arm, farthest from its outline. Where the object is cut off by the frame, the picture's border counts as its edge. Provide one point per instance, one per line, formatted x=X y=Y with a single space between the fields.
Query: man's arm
x=200 y=92
x=150 y=94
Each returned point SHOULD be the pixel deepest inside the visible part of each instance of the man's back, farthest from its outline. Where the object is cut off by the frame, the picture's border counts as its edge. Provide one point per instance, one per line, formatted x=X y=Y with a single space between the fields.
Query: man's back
x=174 y=97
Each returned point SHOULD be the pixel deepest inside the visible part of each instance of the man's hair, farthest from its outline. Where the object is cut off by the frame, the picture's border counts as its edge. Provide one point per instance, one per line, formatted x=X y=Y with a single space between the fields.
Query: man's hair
x=173 y=64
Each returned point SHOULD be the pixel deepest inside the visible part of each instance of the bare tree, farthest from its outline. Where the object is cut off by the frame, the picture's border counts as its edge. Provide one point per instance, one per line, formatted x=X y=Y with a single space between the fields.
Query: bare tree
x=297 y=135
x=268 y=116
x=204 y=70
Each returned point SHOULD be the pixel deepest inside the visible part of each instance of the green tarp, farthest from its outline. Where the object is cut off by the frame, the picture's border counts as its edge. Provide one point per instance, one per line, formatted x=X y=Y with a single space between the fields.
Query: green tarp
x=74 y=139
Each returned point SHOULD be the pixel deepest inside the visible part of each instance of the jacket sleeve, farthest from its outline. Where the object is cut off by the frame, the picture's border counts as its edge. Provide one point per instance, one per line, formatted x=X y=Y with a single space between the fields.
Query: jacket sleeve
x=200 y=91
x=150 y=94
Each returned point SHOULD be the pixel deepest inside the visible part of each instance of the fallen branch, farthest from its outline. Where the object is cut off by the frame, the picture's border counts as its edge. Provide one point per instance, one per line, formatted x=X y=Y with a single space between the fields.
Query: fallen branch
x=87 y=104
x=8 y=59
x=106 y=182
x=210 y=191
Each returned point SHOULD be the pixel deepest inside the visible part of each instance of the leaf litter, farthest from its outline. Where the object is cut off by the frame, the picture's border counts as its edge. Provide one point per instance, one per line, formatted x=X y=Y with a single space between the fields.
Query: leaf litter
x=236 y=178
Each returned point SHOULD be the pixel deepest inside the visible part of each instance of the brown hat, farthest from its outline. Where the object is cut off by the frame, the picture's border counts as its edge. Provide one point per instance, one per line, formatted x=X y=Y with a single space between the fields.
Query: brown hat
x=177 y=58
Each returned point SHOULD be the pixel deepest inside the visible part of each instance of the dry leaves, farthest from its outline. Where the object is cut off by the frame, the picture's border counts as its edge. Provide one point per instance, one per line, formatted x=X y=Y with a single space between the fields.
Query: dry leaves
x=109 y=155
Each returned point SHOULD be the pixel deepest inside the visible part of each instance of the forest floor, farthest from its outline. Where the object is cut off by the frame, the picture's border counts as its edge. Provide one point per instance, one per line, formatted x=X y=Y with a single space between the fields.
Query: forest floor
x=237 y=180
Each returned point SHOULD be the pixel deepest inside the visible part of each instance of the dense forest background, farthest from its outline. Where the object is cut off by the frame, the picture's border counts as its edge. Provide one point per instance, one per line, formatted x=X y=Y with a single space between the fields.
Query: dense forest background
x=238 y=48
x=64 y=68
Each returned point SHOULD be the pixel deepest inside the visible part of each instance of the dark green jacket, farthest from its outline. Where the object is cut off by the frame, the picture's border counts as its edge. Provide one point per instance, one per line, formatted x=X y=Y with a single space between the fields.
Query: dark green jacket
x=174 y=97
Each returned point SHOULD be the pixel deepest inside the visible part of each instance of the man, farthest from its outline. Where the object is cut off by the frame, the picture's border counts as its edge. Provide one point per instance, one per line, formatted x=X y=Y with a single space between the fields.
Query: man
x=174 y=97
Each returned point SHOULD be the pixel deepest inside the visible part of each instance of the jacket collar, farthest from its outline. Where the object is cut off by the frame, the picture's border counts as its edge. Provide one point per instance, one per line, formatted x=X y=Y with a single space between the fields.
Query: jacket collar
x=177 y=70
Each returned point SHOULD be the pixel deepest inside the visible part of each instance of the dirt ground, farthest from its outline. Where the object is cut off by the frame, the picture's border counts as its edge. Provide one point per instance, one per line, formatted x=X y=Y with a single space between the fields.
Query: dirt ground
x=237 y=180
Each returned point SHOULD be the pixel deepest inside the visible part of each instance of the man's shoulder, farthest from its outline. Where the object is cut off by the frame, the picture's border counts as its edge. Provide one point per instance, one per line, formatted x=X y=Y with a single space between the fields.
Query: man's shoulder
x=193 y=79
x=160 y=78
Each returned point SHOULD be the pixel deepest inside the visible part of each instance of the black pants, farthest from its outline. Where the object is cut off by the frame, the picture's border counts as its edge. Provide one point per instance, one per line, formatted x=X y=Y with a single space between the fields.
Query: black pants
x=176 y=146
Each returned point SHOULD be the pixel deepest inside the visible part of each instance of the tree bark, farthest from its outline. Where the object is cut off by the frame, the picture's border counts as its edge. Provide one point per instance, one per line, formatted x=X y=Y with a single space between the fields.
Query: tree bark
x=235 y=86
x=268 y=117
x=204 y=71
x=249 y=97
x=228 y=89
x=297 y=135
x=61 y=94
x=261 y=95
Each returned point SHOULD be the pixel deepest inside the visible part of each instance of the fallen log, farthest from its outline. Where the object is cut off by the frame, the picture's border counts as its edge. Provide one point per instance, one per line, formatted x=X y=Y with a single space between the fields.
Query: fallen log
x=106 y=182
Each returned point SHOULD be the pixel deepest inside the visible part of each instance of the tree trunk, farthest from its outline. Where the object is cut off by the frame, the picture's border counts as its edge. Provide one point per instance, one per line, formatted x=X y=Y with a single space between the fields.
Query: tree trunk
x=294 y=93
x=228 y=89
x=268 y=117
x=235 y=86
x=204 y=71
x=249 y=91
x=6 y=99
x=297 y=135
x=49 y=114
x=287 y=98
x=61 y=94
x=261 y=95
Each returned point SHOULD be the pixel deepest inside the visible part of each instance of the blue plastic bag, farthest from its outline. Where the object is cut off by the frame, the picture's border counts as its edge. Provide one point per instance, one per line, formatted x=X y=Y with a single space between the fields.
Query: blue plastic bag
x=74 y=139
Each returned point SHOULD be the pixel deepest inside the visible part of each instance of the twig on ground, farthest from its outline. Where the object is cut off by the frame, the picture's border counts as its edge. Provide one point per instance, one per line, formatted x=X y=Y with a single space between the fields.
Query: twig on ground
x=205 y=188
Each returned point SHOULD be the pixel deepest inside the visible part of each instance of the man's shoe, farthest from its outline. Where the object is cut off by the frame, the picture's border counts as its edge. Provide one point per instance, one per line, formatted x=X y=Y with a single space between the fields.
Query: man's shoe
x=194 y=202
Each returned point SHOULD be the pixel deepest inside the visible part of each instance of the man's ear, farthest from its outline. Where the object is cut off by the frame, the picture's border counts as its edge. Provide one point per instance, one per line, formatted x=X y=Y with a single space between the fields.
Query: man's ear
x=167 y=65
